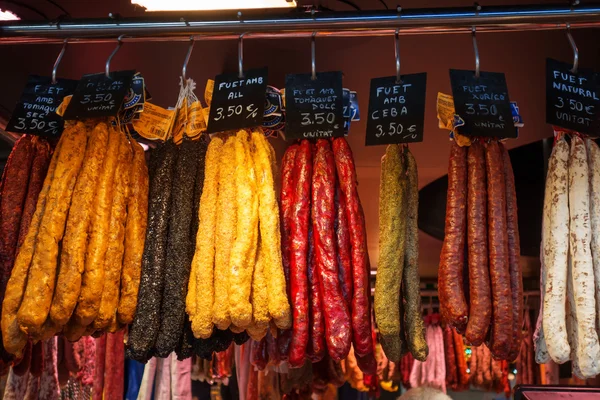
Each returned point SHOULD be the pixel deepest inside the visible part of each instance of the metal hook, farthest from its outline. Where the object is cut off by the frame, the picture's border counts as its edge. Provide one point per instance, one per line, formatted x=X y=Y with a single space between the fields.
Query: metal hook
x=397 y=41
x=575 y=50
x=187 y=59
x=119 y=44
x=58 y=60
x=241 y=56
x=476 y=49
x=313 y=54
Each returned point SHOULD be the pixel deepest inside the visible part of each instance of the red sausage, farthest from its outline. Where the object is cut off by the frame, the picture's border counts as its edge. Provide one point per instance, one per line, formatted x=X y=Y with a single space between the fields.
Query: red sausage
x=514 y=251
x=480 y=310
x=502 y=324
x=298 y=256
x=37 y=359
x=259 y=356
x=98 y=386
x=114 y=381
x=284 y=337
x=22 y=367
x=453 y=305
x=361 y=300
x=316 y=342
x=342 y=234
x=336 y=314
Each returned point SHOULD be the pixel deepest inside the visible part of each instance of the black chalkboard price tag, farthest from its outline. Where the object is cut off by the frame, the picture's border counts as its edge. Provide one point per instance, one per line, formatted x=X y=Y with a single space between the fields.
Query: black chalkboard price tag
x=483 y=104
x=396 y=110
x=314 y=108
x=572 y=100
x=98 y=96
x=238 y=103
x=35 y=112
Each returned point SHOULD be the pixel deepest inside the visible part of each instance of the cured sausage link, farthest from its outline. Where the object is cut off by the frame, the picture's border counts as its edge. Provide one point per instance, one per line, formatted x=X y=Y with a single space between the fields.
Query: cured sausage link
x=588 y=348
x=392 y=236
x=514 y=252
x=361 y=301
x=298 y=257
x=411 y=288
x=480 y=310
x=453 y=305
x=501 y=336
x=338 y=332
x=555 y=249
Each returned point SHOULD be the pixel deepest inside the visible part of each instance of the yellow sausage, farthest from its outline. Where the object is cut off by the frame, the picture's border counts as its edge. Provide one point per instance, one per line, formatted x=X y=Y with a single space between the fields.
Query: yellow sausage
x=93 y=275
x=135 y=235
x=199 y=301
x=41 y=279
x=113 y=261
x=225 y=233
x=72 y=258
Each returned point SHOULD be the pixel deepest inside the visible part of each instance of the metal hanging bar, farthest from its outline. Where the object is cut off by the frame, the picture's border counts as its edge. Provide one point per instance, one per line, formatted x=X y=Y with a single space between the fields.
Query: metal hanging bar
x=229 y=25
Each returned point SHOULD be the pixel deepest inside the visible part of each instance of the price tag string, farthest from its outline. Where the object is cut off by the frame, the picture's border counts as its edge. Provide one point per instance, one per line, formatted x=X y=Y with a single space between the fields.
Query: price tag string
x=58 y=60
x=575 y=50
x=107 y=66
x=241 y=56
x=397 y=51
x=476 y=50
x=187 y=60
x=313 y=56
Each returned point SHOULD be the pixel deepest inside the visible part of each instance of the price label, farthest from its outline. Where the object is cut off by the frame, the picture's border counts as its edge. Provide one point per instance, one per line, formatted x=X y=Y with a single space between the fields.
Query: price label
x=238 y=102
x=396 y=110
x=483 y=104
x=98 y=96
x=572 y=100
x=35 y=112
x=314 y=108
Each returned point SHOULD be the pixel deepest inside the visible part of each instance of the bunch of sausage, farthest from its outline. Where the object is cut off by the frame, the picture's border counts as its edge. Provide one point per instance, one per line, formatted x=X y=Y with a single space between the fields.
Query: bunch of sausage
x=213 y=249
x=21 y=183
x=77 y=270
x=400 y=323
x=570 y=256
x=324 y=255
x=176 y=178
x=481 y=226
x=488 y=373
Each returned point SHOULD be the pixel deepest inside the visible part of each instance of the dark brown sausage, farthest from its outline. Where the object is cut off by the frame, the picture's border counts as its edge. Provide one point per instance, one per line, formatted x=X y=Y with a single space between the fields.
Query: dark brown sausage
x=453 y=305
x=514 y=251
x=502 y=323
x=480 y=310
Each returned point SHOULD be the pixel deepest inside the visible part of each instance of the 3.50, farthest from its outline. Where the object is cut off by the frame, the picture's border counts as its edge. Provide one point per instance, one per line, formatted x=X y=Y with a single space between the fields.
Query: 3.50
x=395 y=128
x=481 y=109
x=574 y=105
x=317 y=118
x=97 y=98
x=35 y=124
x=234 y=110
